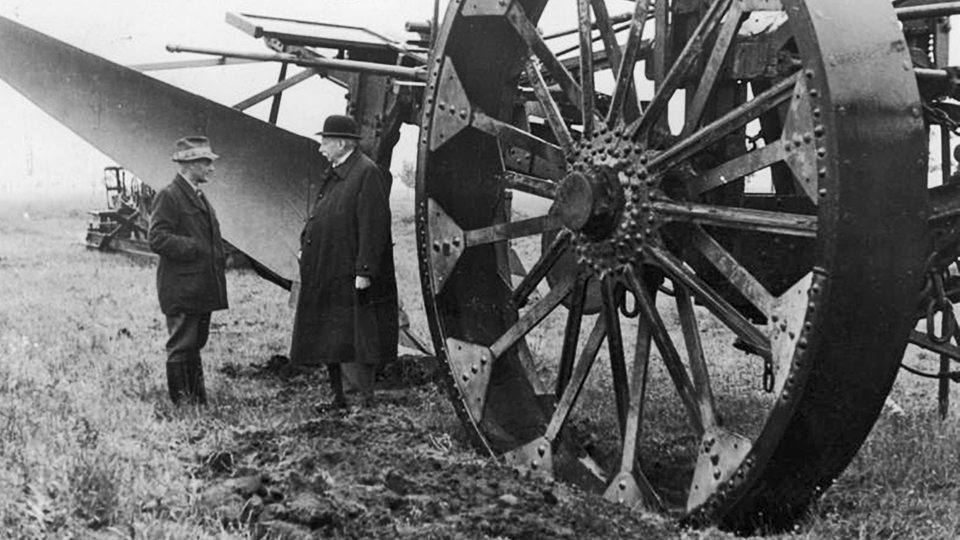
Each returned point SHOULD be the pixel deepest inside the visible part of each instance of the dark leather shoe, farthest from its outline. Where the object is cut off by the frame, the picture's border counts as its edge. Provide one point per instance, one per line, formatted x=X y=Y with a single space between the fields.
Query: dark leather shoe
x=331 y=406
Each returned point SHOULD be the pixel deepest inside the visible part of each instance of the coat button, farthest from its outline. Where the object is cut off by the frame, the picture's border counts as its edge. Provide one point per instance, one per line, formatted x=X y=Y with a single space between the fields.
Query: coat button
x=309 y=241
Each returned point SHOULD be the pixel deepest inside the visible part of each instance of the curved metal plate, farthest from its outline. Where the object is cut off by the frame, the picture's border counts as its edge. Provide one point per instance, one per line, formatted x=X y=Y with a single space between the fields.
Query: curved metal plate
x=261 y=185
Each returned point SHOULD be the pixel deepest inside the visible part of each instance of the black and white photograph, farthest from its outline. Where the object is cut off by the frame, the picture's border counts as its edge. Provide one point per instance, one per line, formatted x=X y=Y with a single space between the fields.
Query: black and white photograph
x=479 y=269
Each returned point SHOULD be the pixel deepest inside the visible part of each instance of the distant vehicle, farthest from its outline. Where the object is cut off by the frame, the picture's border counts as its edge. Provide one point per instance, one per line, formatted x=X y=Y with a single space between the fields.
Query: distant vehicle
x=122 y=225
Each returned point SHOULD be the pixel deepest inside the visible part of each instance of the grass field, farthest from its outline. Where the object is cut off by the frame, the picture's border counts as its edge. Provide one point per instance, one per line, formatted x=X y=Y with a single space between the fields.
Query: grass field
x=91 y=448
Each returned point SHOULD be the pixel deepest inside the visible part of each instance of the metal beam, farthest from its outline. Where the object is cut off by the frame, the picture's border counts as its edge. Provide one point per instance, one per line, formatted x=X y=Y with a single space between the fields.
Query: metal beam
x=275 y=89
x=943 y=9
x=184 y=64
x=398 y=72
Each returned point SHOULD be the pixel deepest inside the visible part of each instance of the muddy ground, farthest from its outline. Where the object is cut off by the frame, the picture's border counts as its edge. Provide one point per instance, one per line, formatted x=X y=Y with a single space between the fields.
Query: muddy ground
x=384 y=472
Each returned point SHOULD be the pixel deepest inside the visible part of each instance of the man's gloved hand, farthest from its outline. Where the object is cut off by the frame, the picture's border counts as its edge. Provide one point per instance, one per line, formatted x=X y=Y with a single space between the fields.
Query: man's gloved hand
x=361 y=282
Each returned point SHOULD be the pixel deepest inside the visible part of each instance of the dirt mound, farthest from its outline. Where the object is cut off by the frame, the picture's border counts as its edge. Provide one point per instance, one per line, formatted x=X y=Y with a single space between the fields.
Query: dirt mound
x=379 y=473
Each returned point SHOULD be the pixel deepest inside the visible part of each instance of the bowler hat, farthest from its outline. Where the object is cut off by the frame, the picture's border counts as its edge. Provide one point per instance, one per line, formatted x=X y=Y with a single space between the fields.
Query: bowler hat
x=341 y=126
x=192 y=149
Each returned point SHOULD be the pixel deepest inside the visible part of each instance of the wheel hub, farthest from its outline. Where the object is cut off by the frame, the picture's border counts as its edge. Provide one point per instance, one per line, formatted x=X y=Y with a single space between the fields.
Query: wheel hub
x=605 y=199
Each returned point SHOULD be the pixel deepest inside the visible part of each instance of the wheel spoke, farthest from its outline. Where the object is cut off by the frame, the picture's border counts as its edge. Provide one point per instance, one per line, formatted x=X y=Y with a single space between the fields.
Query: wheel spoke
x=691 y=52
x=698 y=364
x=535 y=42
x=738 y=276
x=638 y=389
x=540 y=269
x=510 y=230
x=532 y=317
x=712 y=69
x=625 y=67
x=621 y=18
x=550 y=108
x=577 y=378
x=618 y=366
x=713 y=301
x=660 y=45
x=571 y=334
x=586 y=64
x=601 y=60
x=671 y=358
x=513 y=136
x=525 y=356
x=720 y=128
x=614 y=54
x=529 y=184
x=738 y=167
x=738 y=218
x=631 y=485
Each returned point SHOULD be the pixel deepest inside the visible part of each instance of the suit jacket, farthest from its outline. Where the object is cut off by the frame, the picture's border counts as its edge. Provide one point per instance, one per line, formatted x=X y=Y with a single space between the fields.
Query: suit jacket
x=347 y=235
x=185 y=233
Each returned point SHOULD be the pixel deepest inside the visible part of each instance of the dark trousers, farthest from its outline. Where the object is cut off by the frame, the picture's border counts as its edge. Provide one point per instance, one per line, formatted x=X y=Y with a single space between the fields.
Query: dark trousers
x=188 y=333
x=351 y=377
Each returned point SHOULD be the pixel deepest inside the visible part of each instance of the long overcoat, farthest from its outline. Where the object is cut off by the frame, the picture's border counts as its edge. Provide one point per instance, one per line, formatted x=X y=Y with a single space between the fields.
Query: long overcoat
x=185 y=232
x=346 y=235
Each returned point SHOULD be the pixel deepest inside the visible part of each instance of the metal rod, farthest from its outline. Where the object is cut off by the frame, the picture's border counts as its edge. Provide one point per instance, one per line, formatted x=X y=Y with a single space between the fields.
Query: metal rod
x=187 y=64
x=608 y=33
x=943 y=9
x=571 y=335
x=399 y=72
x=943 y=385
x=511 y=229
x=931 y=74
x=594 y=39
x=540 y=269
x=623 y=17
x=618 y=365
x=668 y=351
x=738 y=218
x=532 y=317
x=275 y=89
x=275 y=106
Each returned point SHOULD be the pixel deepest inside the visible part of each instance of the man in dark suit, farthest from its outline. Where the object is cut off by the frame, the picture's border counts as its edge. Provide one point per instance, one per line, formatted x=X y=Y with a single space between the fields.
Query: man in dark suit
x=191 y=281
x=347 y=308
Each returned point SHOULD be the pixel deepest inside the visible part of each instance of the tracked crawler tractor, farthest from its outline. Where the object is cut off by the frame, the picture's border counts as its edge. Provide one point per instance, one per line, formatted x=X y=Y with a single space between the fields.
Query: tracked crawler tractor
x=727 y=218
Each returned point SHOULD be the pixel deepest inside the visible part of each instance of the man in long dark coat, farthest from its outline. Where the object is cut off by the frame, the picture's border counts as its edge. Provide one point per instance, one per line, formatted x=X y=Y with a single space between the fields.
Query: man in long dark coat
x=191 y=280
x=347 y=309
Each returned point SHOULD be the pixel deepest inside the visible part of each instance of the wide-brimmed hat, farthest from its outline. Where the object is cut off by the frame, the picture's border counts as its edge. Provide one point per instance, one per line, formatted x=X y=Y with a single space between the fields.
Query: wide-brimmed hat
x=342 y=126
x=192 y=149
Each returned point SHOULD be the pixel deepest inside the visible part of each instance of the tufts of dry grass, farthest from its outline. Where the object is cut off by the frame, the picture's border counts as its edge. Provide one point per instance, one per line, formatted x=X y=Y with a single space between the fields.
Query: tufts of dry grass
x=90 y=447
x=87 y=439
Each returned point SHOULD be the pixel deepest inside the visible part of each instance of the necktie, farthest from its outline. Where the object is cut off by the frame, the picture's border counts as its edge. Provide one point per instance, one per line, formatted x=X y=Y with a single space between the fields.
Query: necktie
x=203 y=200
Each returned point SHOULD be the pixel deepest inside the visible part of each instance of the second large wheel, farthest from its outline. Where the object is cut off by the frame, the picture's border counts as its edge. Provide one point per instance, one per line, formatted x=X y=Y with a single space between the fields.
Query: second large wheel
x=758 y=178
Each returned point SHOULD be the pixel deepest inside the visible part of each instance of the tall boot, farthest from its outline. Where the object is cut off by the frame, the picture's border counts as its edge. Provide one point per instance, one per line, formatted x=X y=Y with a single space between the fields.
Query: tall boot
x=336 y=385
x=178 y=380
x=196 y=386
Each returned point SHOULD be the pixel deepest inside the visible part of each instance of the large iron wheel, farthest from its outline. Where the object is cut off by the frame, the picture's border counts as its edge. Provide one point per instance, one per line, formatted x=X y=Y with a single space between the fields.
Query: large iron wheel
x=811 y=280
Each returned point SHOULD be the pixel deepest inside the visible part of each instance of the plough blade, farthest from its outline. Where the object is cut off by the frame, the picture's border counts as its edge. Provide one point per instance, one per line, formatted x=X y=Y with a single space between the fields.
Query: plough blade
x=261 y=187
